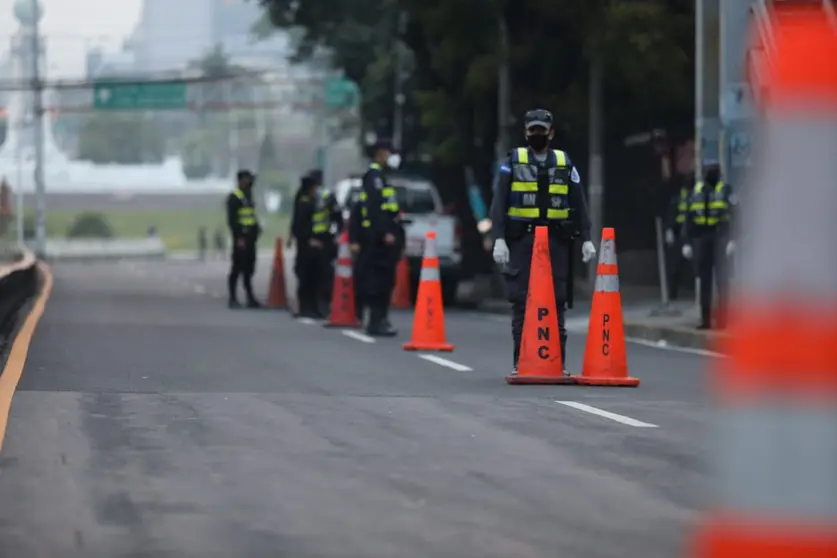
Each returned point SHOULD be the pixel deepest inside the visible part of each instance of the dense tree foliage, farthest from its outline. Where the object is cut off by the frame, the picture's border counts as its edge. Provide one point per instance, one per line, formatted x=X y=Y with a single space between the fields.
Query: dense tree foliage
x=454 y=51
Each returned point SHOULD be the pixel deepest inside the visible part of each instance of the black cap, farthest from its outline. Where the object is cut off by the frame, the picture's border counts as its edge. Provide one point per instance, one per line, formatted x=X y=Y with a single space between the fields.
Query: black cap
x=538 y=117
x=315 y=175
x=244 y=174
x=382 y=143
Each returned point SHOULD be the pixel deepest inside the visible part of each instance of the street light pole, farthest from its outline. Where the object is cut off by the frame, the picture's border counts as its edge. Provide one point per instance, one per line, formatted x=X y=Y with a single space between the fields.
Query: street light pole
x=398 y=109
x=38 y=110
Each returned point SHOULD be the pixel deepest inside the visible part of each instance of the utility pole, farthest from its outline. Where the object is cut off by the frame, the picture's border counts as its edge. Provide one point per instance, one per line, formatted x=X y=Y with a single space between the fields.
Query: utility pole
x=503 y=92
x=38 y=110
x=398 y=112
x=596 y=148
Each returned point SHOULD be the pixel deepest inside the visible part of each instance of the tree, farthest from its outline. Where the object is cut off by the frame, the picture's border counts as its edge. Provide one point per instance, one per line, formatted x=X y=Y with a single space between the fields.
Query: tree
x=121 y=139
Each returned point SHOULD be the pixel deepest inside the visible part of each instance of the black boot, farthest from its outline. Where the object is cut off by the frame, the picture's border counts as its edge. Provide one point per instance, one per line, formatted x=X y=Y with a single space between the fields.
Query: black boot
x=377 y=323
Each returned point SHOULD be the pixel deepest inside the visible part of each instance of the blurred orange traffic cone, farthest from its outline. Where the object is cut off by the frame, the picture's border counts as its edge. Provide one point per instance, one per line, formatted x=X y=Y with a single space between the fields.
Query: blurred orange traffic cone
x=276 y=295
x=343 y=312
x=540 y=347
x=605 y=359
x=401 y=299
x=776 y=392
x=429 y=317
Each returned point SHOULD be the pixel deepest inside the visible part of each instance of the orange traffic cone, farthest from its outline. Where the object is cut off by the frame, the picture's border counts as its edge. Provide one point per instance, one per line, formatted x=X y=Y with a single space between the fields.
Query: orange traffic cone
x=540 y=348
x=401 y=299
x=343 y=312
x=276 y=295
x=605 y=359
x=429 y=317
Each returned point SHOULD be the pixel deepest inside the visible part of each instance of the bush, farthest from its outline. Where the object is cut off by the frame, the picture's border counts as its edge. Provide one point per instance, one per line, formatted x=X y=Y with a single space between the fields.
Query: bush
x=90 y=225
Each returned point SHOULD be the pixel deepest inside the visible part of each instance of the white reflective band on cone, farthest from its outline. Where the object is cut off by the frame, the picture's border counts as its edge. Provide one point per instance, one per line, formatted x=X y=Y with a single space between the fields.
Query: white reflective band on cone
x=789 y=241
x=779 y=461
x=607 y=283
x=430 y=248
x=344 y=272
x=343 y=251
x=429 y=274
x=608 y=254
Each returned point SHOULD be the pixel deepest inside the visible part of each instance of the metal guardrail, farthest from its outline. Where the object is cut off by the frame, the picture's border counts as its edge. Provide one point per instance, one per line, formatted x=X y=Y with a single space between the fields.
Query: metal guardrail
x=18 y=282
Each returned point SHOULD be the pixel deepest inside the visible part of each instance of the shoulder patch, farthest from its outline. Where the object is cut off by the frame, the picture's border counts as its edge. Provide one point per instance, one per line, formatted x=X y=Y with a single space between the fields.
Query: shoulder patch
x=505 y=168
x=574 y=176
x=379 y=184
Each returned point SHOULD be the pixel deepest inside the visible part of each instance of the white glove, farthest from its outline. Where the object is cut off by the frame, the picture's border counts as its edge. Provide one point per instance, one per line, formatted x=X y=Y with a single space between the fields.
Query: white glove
x=669 y=237
x=587 y=251
x=501 y=252
x=730 y=248
x=687 y=251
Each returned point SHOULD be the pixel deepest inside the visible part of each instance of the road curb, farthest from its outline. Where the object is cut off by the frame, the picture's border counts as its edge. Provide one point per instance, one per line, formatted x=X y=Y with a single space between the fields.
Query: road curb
x=677 y=336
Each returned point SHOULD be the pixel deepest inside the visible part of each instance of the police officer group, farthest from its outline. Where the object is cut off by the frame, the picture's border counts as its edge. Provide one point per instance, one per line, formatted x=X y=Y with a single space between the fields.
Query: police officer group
x=700 y=223
x=376 y=241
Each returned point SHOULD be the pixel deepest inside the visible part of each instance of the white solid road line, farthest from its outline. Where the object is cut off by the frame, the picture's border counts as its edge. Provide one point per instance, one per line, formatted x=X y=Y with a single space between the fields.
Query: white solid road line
x=358 y=336
x=608 y=415
x=307 y=321
x=445 y=362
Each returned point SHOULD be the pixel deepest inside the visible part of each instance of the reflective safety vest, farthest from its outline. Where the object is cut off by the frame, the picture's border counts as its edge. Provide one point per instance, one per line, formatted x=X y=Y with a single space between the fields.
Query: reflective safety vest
x=389 y=203
x=246 y=214
x=711 y=211
x=523 y=196
x=321 y=220
x=682 y=206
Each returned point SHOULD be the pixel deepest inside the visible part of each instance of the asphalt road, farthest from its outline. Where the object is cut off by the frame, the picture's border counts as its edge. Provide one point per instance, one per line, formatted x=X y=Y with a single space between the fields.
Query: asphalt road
x=152 y=421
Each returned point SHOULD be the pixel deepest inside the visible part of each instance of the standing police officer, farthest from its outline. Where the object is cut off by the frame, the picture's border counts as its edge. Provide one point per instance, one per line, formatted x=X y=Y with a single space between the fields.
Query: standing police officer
x=327 y=224
x=538 y=186
x=245 y=231
x=383 y=234
x=706 y=234
x=307 y=263
x=358 y=223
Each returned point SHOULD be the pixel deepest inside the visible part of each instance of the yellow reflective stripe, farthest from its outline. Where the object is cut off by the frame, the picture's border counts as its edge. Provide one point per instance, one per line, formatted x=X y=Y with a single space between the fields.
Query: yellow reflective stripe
x=524 y=187
x=524 y=212
x=559 y=189
x=718 y=205
x=375 y=166
x=366 y=224
x=362 y=196
x=391 y=207
x=561 y=157
x=388 y=191
x=534 y=213
x=522 y=155
x=680 y=219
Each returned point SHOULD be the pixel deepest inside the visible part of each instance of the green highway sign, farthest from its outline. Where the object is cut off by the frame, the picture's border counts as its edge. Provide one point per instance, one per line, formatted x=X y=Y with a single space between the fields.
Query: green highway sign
x=340 y=93
x=140 y=96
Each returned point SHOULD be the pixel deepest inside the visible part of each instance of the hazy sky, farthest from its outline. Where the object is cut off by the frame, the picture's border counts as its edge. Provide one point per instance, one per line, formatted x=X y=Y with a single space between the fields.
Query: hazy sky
x=70 y=26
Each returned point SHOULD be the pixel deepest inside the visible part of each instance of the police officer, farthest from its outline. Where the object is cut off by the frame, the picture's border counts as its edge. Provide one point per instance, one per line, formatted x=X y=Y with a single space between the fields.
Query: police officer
x=358 y=223
x=677 y=210
x=307 y=232
x=245 y=230
x=538 y=186
x=706 y=235
x=383 y=234
x=327 y=224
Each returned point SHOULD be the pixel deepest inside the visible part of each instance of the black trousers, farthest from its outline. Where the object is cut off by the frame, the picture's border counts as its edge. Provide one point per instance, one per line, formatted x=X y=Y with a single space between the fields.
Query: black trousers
x=378 y=275
x=517 y=273
x=358 y=270
x=308 y=270
x=679 y=268
x=243 y=264
x=710 y=260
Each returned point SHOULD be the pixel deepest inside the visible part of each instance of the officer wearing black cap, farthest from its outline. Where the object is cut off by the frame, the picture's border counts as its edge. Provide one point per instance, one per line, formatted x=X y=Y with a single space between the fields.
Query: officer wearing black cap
x=383 y=238
x=538 y=186
x=245 y=231
x=706 y=231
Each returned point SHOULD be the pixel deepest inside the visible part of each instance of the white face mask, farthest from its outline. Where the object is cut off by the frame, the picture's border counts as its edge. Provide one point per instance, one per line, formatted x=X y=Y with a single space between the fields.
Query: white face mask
x=394 y=161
